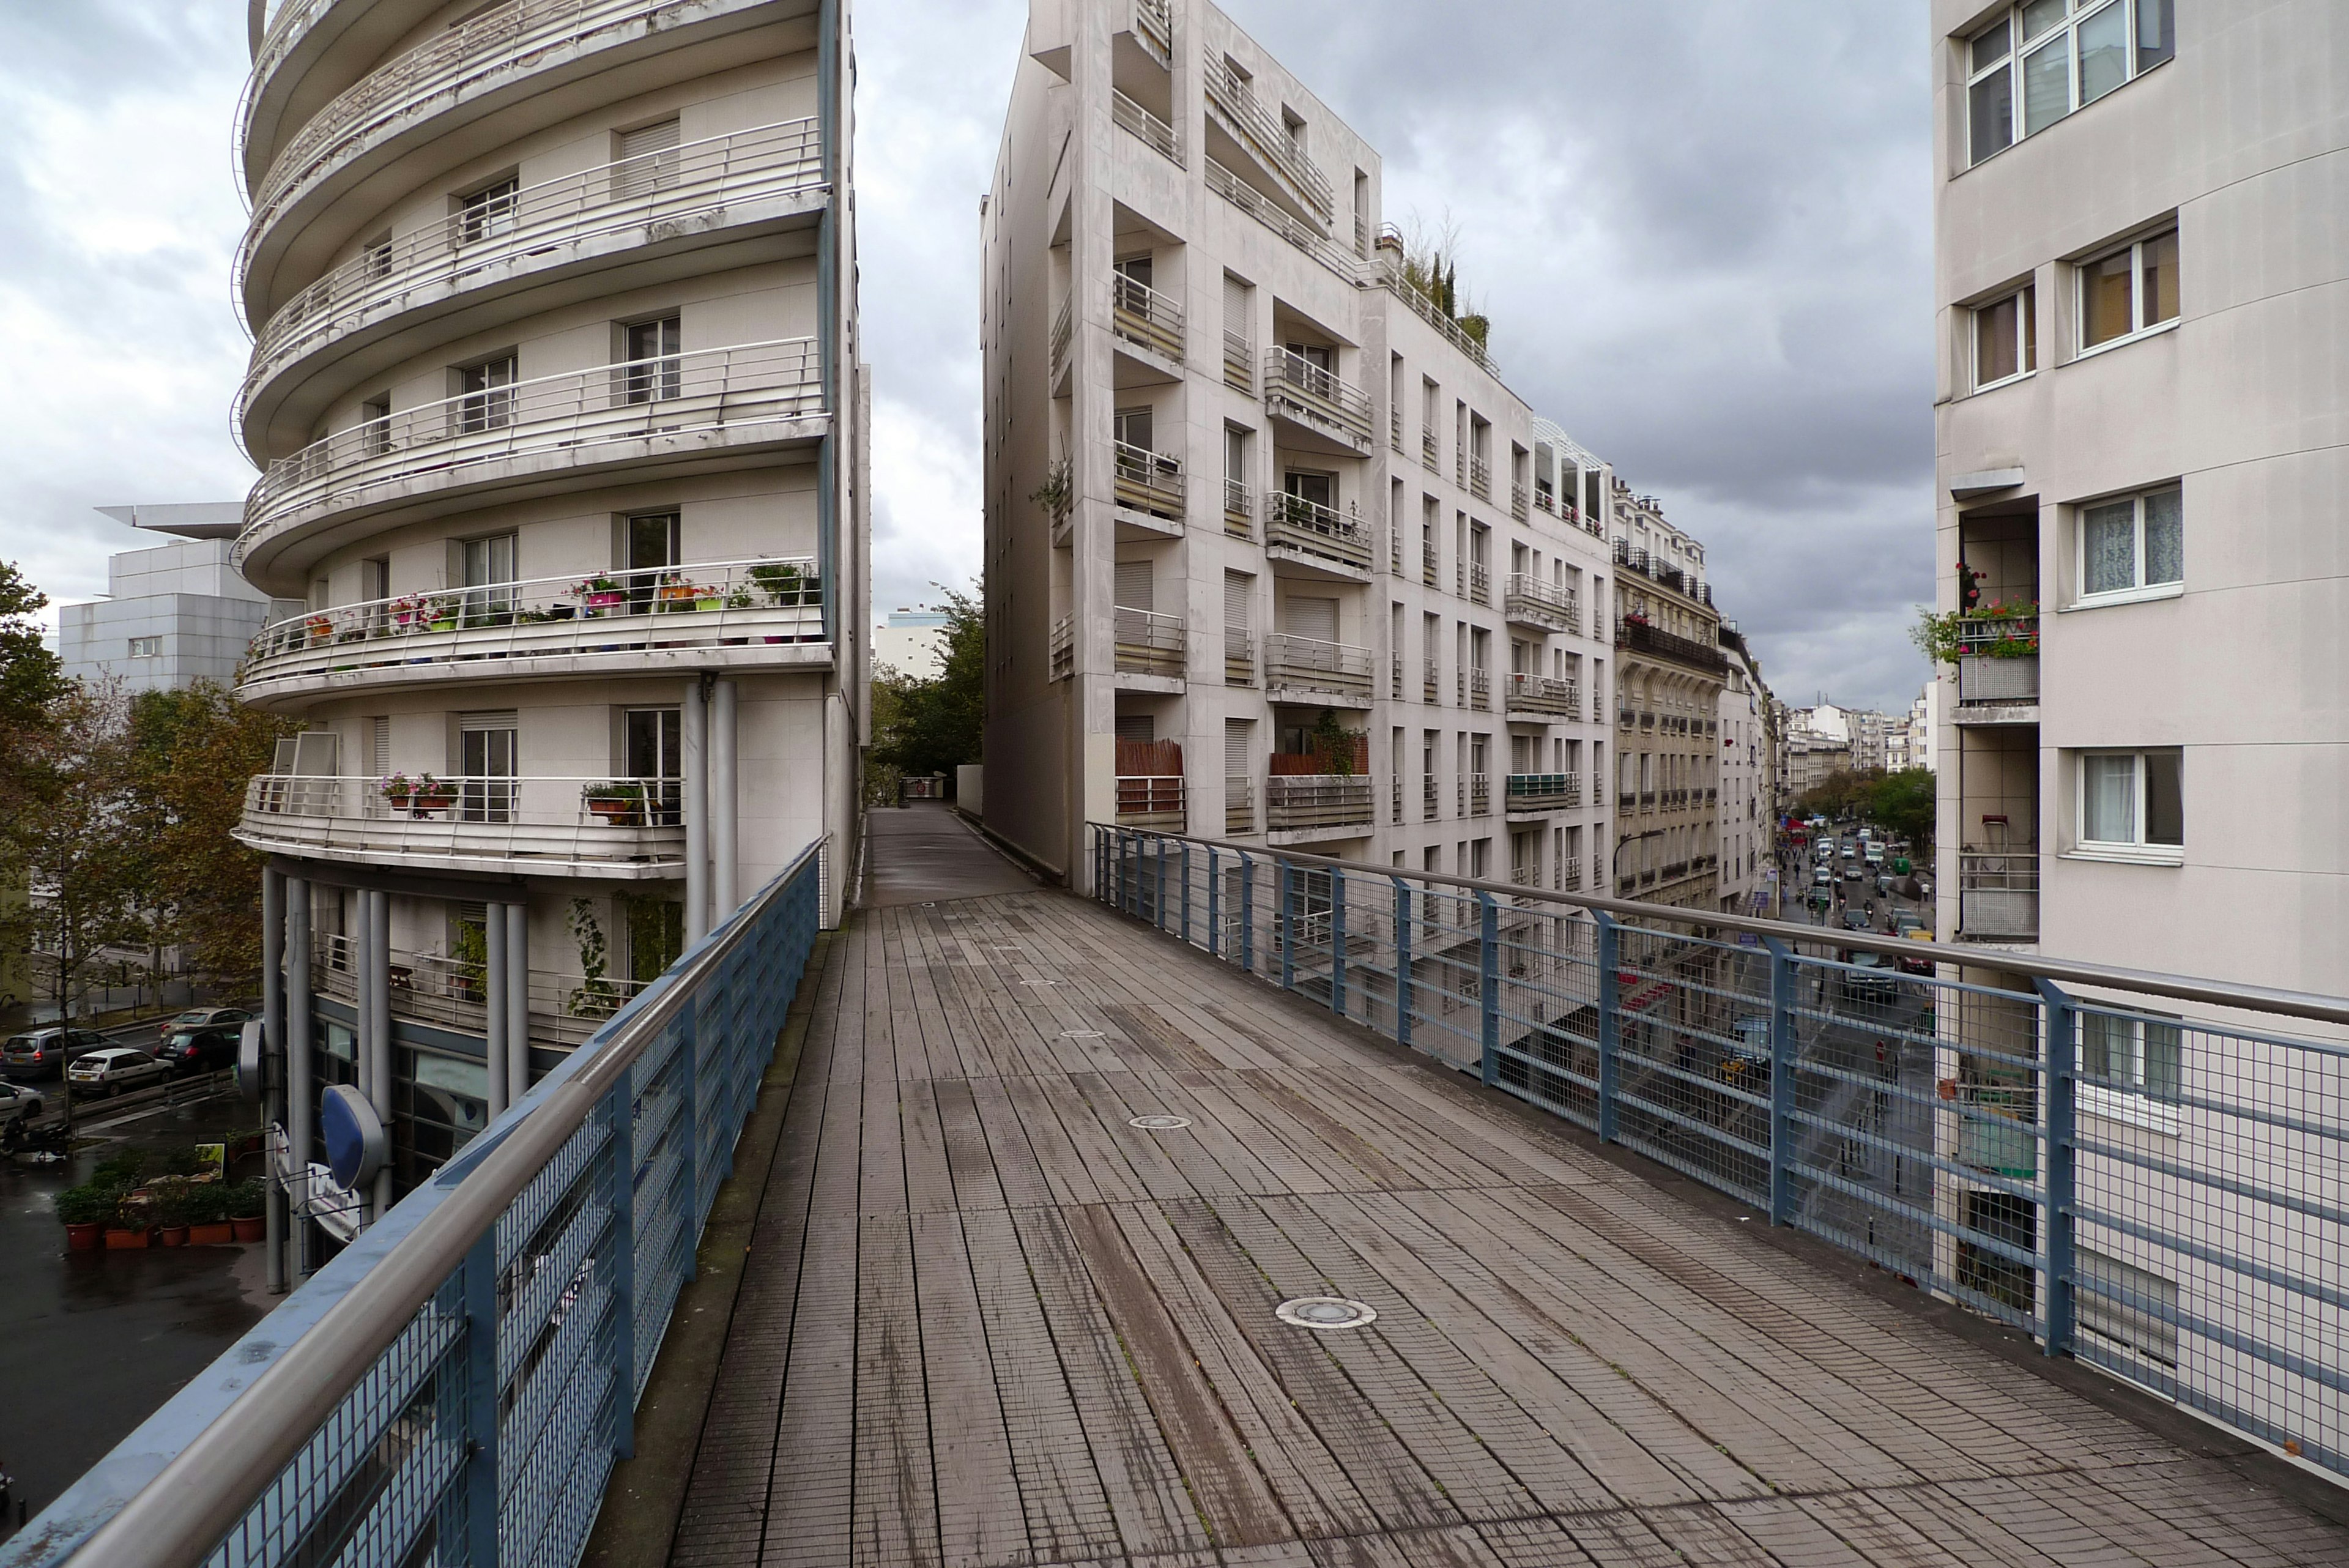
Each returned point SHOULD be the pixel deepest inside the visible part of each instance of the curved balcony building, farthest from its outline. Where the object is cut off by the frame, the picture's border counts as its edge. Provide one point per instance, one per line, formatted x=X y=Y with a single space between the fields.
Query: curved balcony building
x=555 y=400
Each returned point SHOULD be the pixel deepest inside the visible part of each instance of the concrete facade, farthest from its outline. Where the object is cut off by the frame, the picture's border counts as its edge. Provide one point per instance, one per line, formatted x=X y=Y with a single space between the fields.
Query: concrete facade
x=557 y=394
x=1272 y=552
x=1670 y=673
x=912 y=642
x=173 y=614
x=1749 y=783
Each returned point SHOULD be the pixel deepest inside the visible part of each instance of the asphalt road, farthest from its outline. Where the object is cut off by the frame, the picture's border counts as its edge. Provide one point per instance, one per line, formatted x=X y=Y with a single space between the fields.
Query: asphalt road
x=96 y=1341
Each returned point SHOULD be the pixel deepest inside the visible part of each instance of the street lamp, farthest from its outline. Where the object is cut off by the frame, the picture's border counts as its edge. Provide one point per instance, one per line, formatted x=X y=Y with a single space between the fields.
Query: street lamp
x=1614 y=862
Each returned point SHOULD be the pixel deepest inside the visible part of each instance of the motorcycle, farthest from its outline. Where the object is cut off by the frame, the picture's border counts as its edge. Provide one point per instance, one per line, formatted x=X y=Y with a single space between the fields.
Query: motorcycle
x=49 y=1143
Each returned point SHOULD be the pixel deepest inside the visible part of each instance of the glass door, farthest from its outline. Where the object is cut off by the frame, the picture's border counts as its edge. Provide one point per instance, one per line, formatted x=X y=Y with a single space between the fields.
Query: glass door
x=656 y=742
x=488 y=569
x=492 y=752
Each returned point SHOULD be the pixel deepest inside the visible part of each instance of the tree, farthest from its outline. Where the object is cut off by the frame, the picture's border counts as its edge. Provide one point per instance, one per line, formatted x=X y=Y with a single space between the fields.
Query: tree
x=934 y=725
x=1904 y=804
x=68 y=836
x=31 y=677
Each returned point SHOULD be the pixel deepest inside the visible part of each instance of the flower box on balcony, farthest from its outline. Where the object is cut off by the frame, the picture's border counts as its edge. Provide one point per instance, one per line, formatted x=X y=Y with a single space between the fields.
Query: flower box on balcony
x=419 y=797
x=617 y=805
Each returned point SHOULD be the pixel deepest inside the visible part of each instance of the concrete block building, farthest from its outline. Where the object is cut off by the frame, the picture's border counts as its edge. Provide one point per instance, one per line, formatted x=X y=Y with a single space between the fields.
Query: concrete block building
x=173 y=614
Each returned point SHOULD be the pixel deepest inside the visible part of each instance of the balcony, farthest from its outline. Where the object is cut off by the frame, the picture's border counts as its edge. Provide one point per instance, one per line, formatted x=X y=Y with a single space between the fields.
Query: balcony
x=2005 y=679
x=1519 y=507
x=1239 y=363
x=706 y=191
x=1307 y=669
x=1480 y=583
x=1298 y=390
x=1317 y=535
x=1480 y=479
x=1394 y=427
x=1239 y=805
x=1149 y=643
x=1431 y=683
x=452 y=992
x=1147 y=128
x=1429 y=455
x=1480 y=689
x=1148 y=800
x=646 y=413
x=1239 y=510
x=693 y=617
x=1061 y=649
x=1528 y=601
x=1998 y=896
x=1064 y=329
x=1146 y=318
x=1431 y=798
x=1540 y=697
x=1391 y=276
x=1251 y=129
x=1531 y=794
x=1430 y=570
x=1239 y=657
x=1156 y=28
x=1148 y=483
x=622 y=828
x=1476 y=794
x=1307 y=802
x=1262 y=208
x=1640 y=637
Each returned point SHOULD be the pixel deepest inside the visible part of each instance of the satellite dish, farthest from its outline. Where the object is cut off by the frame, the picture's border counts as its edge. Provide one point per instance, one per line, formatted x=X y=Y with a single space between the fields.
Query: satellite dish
x=356 y=1144
x=252 y=1070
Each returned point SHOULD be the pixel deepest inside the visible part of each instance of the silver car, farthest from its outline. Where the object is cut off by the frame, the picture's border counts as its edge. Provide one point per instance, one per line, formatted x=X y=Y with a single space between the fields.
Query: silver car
x=18 y=1104
x=113 y=1070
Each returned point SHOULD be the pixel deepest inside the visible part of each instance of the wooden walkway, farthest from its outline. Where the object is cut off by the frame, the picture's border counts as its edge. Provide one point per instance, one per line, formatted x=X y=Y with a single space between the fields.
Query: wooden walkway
x=987 y=1321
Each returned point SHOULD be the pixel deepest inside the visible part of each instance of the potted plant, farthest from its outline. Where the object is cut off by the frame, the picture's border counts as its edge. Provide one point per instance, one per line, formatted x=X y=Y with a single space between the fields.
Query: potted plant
x=245 y=1202
x=783 y=581
x=674 y=593
x=126 y=1226
x=620 y=803
x=167 y=1207
x=85 y=1212
x=419 y=796
x=208 y=1223
x=440 y=613
x=318 y=628
x=599 y=593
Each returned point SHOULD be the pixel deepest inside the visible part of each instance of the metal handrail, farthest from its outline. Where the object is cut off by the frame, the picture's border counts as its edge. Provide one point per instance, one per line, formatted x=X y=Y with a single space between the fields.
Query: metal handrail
x=1063 y=329
x=1148 y=643
x=1152 y=131
x=1551 y=595
x=1391 y=274
x=1267 y=137
x=705 y=388
x=625 y=193
x=1247 y=198
x=1148 y=481
x=1540 y=690
x=180 y=1517
x=1342 y=664
x=1323 y=395
x=1140 y=315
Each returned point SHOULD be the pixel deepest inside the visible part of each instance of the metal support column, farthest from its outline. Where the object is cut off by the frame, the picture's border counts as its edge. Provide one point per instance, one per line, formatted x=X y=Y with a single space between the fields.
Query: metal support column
x=517 y=1000
x=2059 y=1174
x=1247 y=913
x=272 y=1061
x=725 y=804
x=1610 y=1021
x=1288 y=917
x=1403 y=1000
x=1338 y=942
x=693 y=727
x=494 y=1035
x=301 y=1095
x=1488 y=986
x=376 y=1002
x=1784 y=1049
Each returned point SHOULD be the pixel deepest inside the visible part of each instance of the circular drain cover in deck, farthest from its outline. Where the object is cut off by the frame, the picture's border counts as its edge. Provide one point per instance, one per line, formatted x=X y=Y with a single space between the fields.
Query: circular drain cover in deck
x=1325 y=1311
x=1160 y=1123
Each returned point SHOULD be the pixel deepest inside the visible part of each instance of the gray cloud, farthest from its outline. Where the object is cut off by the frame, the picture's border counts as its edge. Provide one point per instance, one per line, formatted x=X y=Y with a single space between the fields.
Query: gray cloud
x=1700 y=228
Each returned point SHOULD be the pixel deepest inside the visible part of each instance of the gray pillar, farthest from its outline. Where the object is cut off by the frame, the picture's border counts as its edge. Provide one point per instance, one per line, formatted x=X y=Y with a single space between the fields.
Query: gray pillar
x=302 y=1100
x=273 y=1057
x=496 y=1000
x=694 y=728
x=359 y=953
x=517 y=1000
x=725 y=806
x=377 y=1000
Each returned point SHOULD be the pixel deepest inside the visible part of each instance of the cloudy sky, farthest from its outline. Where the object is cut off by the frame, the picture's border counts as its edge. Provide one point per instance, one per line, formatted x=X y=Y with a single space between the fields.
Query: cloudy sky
x=1702 y=229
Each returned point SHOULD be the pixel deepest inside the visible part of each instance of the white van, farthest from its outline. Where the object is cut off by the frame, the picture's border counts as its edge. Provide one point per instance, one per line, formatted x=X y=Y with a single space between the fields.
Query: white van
x=1875 y=854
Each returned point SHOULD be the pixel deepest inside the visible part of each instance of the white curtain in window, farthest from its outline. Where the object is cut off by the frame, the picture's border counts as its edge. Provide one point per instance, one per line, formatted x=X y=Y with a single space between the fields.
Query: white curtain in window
x=2164 y=537
x=2108 y=799
x=2108 y=538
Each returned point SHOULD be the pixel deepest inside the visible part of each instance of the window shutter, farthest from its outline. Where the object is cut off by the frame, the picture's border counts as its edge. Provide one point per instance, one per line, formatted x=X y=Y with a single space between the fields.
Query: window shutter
x=1238 y=735
x=379 y=746
x=1238 y=587
x=1134 y=584
x=648 y=159
x=1311 y=618
x=1137 y=727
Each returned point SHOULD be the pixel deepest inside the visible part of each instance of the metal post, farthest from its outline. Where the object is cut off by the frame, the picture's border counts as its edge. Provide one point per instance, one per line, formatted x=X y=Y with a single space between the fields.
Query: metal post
x=1158 y=898
x=689 y=1045
x=1247 y=913
x=2059 y=1176
x=1402 y=961
x=1610 y=1021
x=517 y=1001
x=272 y=1062
x=302 y=1101
x=725 y=804
x=1215 y=905
x=693 y=727
x=1783 y=1051
x=1186 y=889
x=375 y=997
x=1338 y=942
x=620 y=1268
x=494 y=1040
x=1488 y=985
x=1288 y=926
x=480 y=1476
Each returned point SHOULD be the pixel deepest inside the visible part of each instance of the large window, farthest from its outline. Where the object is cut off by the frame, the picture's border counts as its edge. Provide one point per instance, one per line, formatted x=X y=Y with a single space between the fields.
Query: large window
x=2130 y=290
x=2133 y=803
x=2044 y=59
x=2140 y=1055
x=2006 y=338
x=2133 y=545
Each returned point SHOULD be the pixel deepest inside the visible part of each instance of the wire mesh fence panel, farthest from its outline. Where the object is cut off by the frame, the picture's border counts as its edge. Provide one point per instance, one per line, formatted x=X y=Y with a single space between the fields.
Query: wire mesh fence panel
x=1689 y=1093
x=1549 y=1012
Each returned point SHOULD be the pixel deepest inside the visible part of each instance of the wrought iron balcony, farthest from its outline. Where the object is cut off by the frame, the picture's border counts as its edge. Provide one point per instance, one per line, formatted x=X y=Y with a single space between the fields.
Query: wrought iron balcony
x=1528 y=601
x=1149 y=643
x=1292 y=522
x=1147 y=482
x=624 y=828
x=1298 y=389
x=1308 y=664
x=1640 y=637
x=688 y=616
x=1541 y=694
x=1143 y=317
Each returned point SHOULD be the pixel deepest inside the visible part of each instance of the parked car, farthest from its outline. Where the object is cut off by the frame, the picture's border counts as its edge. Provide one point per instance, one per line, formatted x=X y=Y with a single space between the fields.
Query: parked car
x=1907 y=920
x=42 y=1053
x=1869 y=978
x=202 y=1049
x=113 y=1070
x=200 y=1018
x=18 y=1104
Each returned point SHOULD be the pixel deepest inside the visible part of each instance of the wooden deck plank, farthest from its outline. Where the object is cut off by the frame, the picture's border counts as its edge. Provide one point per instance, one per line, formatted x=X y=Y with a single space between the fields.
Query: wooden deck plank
x=970 y=1163
x=929 y=1185
x=894 y=1513
x=981 y=1521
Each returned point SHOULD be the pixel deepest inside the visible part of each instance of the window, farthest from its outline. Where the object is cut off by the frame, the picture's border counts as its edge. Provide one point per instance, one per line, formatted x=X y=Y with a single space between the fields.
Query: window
x=654 y=372
x=2123 y=1051
x=2134 y=290
x=146 y=648
x=487 y=754
x=487 y=395
x=2006 y=338
x=2132 y=802
x=2132 y=545
x=487 y=213
x=2068 y=52
x=2128 y=1306
x=648 y=160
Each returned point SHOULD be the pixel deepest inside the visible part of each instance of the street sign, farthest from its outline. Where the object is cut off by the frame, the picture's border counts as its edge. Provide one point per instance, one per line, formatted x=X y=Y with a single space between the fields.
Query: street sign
x=356 y=1144
x=251 y=1069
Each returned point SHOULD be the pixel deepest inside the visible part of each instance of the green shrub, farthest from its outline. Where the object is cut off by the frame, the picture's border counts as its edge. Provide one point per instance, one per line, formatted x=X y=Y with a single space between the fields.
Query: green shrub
x=88 y=1204
x=121 y=1172
x=246 y=1199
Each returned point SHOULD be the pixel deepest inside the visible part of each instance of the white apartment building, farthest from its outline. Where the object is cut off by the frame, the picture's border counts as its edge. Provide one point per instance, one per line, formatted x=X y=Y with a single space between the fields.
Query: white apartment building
x=1748 y=822
x=556 y=394
x=173 y=614
x=913 y=642
x=1272 y=552
x=1671 y=672
x=1909 y=743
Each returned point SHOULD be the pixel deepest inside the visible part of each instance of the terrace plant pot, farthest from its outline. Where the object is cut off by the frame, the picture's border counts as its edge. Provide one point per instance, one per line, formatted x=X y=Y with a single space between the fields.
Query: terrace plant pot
x=217 y=1233
x=171 y=1235
x=120 y=1240
x=85 y=1238
x=249 y=1227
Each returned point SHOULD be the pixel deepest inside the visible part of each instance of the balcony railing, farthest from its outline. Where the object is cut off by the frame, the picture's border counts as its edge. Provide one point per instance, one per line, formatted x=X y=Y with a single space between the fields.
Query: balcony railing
x=1239 y=805
x=1061 y=649
x=1517 y=504
x=1256 y=205
x=1480 y=583
x=1431 y=683
x=1480 y=479
x=1147 y=482
x=1295 y=385
x=1983 y=680
x=1239 y=657
x=1527 y=601
x=1308 y=663
x=1431 y=798
x=1154 y=801
x=1155 y=27
x=1391 y=274
x=1430 y=453
x=1149 y=643
x=1293 y=523
x=1541 y=694
x=1316 y=800
x=1239 y=510
x=1394 y=427
x=1545 y=792
x=1145 y=317
x=1477 y=789
x=1430 y=568
x=1480 y=688
x=1263 y=134
x=570 y=415
x=495 y=42
x=1152 y=131
x=550 y=218
x=580 y=618
x=1064 y=328
x=621 y=827
x=1239 y=363
x=1998 y=895
x=454 y=993
x=1642 y=637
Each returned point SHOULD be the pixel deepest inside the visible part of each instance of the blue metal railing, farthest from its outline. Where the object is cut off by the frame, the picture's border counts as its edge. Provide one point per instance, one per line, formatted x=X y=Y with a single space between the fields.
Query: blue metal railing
x=456 y=1386
x=2160 y=1194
